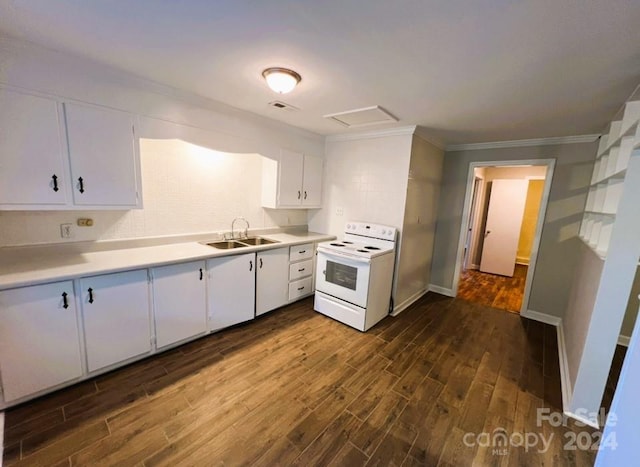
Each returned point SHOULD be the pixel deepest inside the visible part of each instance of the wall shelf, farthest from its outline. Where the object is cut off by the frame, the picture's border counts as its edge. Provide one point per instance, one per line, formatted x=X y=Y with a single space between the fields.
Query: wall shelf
x=607 y=180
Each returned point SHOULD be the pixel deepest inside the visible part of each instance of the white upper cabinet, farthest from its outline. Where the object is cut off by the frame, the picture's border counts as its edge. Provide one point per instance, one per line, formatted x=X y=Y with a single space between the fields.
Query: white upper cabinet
x=312 y=182
x=292 y=181
x=32 y=153
x=56 y=156
x=103 y=154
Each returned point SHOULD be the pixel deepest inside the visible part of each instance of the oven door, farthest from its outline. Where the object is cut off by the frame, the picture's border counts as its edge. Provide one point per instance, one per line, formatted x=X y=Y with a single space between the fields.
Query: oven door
x=343 y=277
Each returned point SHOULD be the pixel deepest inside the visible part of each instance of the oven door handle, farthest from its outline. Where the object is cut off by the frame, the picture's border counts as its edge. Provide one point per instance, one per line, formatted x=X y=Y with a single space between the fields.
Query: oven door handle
x=344 y=257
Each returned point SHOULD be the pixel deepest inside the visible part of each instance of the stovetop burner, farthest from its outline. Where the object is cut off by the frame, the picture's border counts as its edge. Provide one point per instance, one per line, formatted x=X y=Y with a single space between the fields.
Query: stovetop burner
x=337 y=244
x=347 y=242
x=371 y=248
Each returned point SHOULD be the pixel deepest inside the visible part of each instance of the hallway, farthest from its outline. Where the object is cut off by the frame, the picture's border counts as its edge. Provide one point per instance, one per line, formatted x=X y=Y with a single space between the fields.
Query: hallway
x=504 y=293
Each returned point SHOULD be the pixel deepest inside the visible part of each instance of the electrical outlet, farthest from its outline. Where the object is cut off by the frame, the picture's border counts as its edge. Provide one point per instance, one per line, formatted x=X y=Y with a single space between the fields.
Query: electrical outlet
x=66 y=230
x=340 y=212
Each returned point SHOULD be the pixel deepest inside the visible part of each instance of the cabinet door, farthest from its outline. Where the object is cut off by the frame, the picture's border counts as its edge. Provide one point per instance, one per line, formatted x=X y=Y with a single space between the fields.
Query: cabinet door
x=231 y=290
x=32 y=169
x=103 y=156
x=290 y=178
x=116 y=317
x=39 y=342
x=312 y=182
x=272 y=280
x=179 y=302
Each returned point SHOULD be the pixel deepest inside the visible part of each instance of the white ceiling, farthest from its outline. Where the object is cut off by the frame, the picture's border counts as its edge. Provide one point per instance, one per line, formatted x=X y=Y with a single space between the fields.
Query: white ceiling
x=464 y=70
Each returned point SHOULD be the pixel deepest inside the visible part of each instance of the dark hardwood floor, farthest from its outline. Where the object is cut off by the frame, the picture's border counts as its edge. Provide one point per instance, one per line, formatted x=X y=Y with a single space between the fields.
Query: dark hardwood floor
x=505 y=293
x=297 y=388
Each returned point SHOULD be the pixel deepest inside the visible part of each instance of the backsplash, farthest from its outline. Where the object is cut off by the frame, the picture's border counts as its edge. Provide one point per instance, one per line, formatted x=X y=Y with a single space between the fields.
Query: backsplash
x=186 y=189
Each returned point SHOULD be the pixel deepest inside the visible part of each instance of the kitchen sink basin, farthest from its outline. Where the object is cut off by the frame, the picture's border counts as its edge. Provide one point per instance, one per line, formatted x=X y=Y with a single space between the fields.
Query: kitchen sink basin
x=257 y=241
x=227 y=244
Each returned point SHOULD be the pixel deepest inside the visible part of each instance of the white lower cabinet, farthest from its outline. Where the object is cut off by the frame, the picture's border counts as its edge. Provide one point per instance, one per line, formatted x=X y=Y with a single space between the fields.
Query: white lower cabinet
x=179 y=302
x=231 y=290
x=272 y=280
x=116 y=317
x=301 y=271
x=39 y=341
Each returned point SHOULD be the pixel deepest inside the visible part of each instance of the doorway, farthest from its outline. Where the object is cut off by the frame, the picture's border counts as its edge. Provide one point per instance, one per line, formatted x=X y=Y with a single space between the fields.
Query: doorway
x=504 y=211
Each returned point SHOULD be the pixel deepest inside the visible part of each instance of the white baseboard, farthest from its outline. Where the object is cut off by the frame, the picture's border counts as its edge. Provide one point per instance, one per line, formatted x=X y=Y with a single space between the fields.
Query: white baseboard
x=1 y=437
x=565 y=379
x=441 y=290
x=542 y=317
x=624 y=340
x=397 y=309
x=474 y=266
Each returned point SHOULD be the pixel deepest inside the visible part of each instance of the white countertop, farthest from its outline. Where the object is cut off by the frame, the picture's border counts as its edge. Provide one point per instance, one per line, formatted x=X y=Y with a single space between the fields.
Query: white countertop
x=23 y=266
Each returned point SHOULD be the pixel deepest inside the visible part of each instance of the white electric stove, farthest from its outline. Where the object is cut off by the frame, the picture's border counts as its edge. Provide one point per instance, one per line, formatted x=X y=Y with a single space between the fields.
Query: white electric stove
x=354 y=276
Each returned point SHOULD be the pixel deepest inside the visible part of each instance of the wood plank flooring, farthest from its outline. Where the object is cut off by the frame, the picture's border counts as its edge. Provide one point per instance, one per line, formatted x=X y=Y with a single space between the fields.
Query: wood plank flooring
x=297 y=388
x=504 y=293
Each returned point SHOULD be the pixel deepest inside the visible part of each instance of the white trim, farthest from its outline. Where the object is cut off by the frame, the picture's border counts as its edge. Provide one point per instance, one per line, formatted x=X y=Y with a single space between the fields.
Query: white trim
x=624 y=340
x=405 y=130
x=565 y=378
x=542 y=317
x=1 y=437
x=422 y=134
x=586 y=421
x=550 y=163
x=519 y=143
x=397 y=309
x=441 y=290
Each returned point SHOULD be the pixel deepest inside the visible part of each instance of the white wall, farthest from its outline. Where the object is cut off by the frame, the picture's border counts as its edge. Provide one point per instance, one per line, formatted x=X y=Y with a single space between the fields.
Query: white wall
x=186 y=189
x=419 y=225
x=622 y=426
x=367 y=179
x=558 y=251
x=201 y=121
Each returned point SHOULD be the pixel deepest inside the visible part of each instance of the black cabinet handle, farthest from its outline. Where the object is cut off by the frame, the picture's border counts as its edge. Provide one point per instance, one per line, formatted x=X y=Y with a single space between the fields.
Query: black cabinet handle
x=301 y=288
x=305 y=194
x=200 y=273
x=298 y=194
x=65 y=302
x=80 y=185
x=54 y=177
x=300 y=270
x=260 y=263
x=302 y=251
x=90 y=290
x=250 y=265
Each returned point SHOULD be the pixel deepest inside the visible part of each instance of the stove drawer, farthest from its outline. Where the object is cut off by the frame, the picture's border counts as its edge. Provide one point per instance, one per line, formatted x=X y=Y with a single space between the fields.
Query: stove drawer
x=299 y=288
x=299 y=252
x=300 y=270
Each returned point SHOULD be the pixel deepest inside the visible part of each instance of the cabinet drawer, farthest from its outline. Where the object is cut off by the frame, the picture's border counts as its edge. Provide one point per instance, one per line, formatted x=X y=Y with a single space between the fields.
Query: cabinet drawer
x=298 y=252
x=299 y=288
x=301 y=269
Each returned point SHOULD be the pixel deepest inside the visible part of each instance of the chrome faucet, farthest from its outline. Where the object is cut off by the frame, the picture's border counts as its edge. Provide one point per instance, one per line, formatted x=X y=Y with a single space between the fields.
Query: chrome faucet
x=245 y=234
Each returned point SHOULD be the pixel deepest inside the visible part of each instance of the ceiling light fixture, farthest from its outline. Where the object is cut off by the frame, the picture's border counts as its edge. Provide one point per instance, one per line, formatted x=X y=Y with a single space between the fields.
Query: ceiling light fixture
x=281 y=80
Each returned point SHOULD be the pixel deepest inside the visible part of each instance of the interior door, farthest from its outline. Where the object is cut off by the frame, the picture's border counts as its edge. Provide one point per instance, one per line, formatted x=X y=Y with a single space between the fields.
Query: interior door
x=504 y=220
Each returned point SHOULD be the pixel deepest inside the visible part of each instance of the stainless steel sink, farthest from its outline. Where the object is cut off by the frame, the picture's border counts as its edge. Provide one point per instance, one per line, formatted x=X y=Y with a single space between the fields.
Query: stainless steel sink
x=227 y=244
x=257 y=241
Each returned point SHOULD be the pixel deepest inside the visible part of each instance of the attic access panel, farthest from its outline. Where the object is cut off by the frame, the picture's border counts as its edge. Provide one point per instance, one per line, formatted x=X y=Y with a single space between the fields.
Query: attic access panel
x=362 y=117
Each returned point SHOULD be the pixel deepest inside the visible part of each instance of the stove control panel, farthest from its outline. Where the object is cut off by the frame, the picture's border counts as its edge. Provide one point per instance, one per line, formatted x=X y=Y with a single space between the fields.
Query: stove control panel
x=383 y=232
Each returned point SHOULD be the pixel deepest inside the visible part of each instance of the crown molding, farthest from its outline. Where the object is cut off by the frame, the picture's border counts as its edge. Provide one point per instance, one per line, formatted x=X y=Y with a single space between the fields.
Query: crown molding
x=423 y=135
x=404 y=130
x=524 y=142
